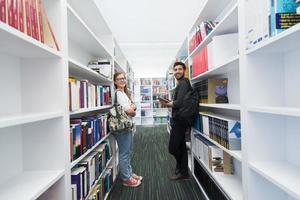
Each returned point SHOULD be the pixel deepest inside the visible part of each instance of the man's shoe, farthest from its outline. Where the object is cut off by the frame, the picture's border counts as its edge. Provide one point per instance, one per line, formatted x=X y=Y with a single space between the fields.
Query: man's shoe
x=179 y=177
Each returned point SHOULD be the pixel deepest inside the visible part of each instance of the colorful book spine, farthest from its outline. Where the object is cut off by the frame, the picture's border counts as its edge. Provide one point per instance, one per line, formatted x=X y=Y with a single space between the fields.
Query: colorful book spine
x=283 y=15
x=27 y=17
x=3 y=11
x=21 y=15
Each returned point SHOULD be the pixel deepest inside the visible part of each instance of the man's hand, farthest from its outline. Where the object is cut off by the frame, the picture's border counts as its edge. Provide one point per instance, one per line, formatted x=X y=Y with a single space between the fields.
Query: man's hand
x=167 y=104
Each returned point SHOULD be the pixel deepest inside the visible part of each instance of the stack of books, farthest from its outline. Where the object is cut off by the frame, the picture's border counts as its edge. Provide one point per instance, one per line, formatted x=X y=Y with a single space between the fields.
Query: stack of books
x=29 y=17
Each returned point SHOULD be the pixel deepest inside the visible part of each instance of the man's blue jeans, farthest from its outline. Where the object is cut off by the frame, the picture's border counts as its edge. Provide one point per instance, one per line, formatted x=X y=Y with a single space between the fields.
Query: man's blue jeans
x=125 y=143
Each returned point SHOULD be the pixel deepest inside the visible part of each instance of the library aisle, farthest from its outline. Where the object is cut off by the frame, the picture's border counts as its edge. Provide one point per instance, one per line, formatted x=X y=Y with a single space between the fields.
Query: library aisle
x=152 y=160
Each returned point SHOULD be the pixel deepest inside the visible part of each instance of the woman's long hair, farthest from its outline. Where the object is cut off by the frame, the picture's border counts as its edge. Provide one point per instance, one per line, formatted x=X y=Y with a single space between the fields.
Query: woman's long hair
x=125 y=88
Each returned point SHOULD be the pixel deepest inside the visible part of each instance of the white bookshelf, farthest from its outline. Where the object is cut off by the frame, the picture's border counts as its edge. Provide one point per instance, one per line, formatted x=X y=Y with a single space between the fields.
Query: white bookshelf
x=87 y=110
x=227 y=14
x=283 y=42
x=34 y=115
x=79 y=70
x=29 y=185
x=229 y=24
x=230 y=184
x=14 y=39
x=234 y=153
x=83 y=36
x=89 y=39
x=282 y=174
x=222 y=106
x=286 y=111
x=26 y=118
x=33 y=123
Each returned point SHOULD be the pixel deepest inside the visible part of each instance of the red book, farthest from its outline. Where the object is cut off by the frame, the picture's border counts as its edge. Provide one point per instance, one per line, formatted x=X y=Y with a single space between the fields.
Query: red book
x=40 y=20
x=27 y=17
x=3 y=11
x=21 y=15
x=10 y=12
x=15 y=14
x=49 y=37
x=33 y=32
x=35 y=20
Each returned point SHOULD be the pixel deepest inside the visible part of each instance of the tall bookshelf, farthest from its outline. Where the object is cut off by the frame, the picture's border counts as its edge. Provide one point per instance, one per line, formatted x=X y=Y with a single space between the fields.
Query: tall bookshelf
x=35 y=116
x=266 y=166
x=159 y=89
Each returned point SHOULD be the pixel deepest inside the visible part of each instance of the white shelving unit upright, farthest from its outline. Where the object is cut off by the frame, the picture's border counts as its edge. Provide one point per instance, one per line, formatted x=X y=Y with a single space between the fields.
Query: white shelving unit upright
x=34 y=110
x=267 y=166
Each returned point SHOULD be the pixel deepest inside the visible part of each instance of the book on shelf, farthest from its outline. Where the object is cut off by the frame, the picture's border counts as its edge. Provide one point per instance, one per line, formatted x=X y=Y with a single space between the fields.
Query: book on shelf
x=101 y=66
x=199 y=34
x=83 y=94
x=212 y=90
x=214 y=158
x=85 y=133
x=225 y=131
x=145 y=81
x=78 y=178
x=29 y=17
x=3 y=11
x=73 y=192
x=87 y=172
x=199 y=62
x=283 y=15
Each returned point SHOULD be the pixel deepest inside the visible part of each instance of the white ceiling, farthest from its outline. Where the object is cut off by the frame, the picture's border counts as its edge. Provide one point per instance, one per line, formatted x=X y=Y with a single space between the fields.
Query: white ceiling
x=150 y=32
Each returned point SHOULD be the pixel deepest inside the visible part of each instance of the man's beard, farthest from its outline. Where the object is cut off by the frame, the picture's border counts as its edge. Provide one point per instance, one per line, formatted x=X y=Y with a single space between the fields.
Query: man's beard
x=179 y=77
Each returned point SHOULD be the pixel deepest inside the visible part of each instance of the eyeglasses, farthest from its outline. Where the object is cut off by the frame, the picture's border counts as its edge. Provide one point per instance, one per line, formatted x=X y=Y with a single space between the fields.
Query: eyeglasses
x=121 y=79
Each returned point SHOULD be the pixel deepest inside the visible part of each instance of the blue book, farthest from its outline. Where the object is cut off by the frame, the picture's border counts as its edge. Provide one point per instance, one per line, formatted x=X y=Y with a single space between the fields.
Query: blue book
x=283 y=15
x=77 y=178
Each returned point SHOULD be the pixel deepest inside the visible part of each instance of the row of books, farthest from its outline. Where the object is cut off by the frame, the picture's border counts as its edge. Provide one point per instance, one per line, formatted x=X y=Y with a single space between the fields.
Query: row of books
x=214 y=158
x=211 y=91
x=159 y=82
x=83 y=94
x=145 y=81
x=101 y=66
x=103 y=187
x=171 y=83
x=145 y=105
x=221 y=49
x=157 y=90
x=145 y=97
x=29 y=17
x=269 y=18
x=85 y=133
x=88 y=171
x=225 y=131
x=146 y=90
x=212 y=190
x=199 y=34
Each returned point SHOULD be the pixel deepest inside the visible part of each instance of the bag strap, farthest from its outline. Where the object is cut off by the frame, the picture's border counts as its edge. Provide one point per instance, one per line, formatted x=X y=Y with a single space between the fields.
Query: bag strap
x=116 y=104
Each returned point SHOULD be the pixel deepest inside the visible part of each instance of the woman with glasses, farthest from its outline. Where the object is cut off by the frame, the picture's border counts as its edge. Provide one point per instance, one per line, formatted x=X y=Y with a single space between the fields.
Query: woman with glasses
x=125 y=139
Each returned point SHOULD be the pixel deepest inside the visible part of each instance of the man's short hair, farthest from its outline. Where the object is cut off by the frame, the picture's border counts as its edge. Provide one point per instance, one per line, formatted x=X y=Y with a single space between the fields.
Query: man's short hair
x=179 y=63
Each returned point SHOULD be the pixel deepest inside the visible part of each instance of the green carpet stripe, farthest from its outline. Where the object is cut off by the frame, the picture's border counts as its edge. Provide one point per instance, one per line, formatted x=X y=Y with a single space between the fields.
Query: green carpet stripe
x=152 y=160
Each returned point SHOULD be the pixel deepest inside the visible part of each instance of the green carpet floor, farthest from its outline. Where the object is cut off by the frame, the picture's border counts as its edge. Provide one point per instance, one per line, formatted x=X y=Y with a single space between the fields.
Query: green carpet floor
x=152 y=160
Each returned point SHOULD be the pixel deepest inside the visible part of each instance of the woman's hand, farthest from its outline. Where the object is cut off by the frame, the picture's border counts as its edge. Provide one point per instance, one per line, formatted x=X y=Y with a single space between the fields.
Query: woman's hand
x=133 y=106
x=131 y=112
